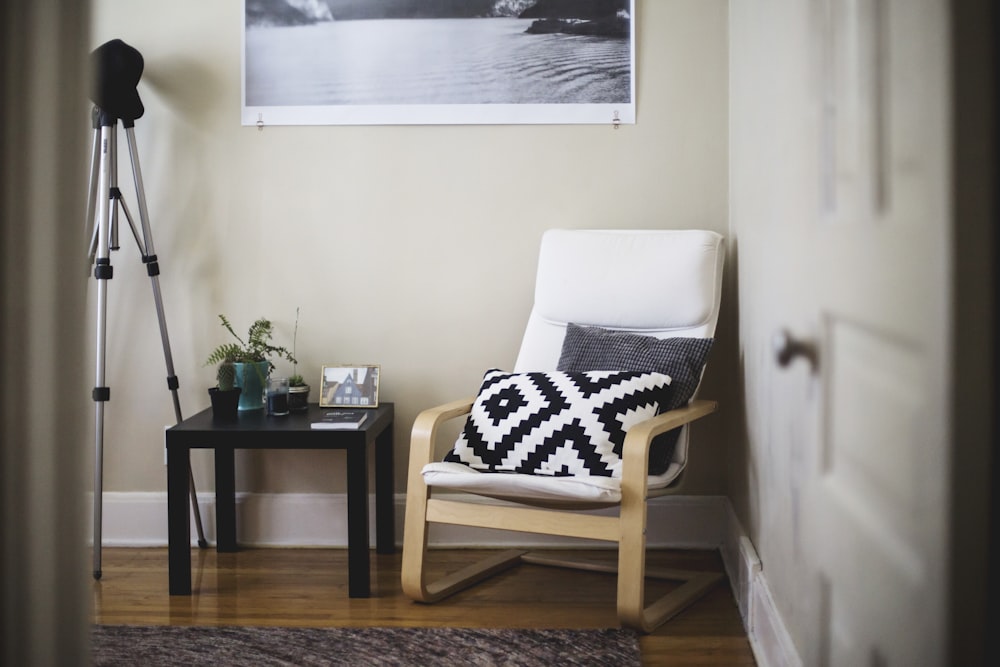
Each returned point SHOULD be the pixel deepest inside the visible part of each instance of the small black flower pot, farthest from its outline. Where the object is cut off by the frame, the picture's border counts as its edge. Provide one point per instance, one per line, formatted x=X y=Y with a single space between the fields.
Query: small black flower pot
x=298 y=398
x=225 y=404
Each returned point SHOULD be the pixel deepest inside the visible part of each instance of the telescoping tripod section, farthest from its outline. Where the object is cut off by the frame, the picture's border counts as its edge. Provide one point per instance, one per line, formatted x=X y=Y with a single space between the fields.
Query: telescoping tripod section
x=116 y=68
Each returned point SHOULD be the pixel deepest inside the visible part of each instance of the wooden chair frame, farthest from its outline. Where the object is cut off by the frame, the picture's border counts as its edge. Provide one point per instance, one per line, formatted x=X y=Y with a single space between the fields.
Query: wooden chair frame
x=628 y=528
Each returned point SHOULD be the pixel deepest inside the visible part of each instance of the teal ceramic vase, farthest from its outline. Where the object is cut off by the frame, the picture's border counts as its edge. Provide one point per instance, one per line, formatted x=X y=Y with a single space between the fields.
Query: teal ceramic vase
x=251 y=379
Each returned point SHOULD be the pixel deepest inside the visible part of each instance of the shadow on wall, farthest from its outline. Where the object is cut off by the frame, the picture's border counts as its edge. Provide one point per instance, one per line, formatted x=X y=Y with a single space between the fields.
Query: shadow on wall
x=738 y=467
x=725 y=432
x=182 y=84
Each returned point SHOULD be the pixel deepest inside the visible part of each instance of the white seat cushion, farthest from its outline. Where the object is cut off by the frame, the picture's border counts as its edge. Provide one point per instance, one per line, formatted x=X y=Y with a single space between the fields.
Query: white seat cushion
x=516 y=486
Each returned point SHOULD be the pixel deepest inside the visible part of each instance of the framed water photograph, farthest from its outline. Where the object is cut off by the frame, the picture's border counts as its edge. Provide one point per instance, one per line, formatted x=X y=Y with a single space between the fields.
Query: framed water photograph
x=425 y=62
x=349 y=387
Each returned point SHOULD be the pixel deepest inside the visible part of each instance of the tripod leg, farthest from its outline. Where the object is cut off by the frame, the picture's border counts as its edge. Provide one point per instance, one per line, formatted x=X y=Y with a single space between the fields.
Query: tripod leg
x=102 y=272
x=153 y=270
x=92 y=185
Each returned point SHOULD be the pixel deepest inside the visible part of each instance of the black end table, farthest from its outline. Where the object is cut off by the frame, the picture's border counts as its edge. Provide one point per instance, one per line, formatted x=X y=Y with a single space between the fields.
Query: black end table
x=255 y=430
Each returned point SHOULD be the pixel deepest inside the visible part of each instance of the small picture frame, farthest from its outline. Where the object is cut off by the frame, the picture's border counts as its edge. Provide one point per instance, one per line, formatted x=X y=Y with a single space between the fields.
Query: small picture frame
x=349 y=386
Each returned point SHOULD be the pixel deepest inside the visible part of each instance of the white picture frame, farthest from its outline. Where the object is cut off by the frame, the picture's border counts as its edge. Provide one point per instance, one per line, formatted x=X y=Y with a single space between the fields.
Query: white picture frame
x=360 y=71
x=349 y=386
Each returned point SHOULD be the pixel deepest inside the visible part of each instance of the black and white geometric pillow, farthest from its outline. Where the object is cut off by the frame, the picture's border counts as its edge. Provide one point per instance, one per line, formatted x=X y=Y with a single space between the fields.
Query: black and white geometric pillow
x=556 y=423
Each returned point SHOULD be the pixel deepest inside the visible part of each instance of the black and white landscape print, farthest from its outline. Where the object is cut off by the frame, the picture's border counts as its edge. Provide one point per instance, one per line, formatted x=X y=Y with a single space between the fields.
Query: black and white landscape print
x=317 y=62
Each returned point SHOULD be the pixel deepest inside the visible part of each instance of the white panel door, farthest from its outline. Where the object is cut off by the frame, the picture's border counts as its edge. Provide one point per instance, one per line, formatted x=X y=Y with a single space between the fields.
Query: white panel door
x=877 y=507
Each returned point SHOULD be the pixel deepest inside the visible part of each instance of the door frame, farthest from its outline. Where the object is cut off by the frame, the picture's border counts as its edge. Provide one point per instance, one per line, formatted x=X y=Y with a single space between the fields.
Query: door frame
x=975 y=541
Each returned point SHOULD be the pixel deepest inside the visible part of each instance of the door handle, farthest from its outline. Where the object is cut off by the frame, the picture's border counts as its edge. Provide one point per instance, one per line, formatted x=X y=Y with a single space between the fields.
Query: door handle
x=787 y=348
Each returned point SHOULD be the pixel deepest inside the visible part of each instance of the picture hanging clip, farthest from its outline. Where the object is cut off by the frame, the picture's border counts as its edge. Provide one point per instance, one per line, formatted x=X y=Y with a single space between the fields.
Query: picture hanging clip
x=616 y=122
x=260 y=122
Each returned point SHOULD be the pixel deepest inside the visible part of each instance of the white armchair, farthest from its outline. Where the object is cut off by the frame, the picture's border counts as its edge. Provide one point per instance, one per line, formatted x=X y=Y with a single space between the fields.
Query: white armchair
x=642 y=304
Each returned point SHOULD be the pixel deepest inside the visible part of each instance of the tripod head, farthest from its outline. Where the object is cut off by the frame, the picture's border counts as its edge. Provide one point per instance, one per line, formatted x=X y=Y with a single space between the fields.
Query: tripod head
x=116 y=69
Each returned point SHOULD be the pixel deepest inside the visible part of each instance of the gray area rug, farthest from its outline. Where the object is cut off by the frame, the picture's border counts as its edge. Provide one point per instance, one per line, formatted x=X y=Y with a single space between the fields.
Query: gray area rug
x=192 y=646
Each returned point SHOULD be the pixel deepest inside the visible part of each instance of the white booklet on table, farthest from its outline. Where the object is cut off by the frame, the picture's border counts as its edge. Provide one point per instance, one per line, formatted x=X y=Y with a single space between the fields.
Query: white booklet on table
x=341 y=419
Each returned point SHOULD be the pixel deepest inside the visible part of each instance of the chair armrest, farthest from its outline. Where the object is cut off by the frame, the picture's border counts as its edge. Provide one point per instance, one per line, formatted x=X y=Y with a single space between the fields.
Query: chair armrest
x=635 y=449
x=425 y=428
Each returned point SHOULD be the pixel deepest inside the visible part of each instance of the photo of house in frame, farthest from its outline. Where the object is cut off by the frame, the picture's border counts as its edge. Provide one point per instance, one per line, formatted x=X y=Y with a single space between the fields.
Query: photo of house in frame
x=405 y=62
x=349 y=387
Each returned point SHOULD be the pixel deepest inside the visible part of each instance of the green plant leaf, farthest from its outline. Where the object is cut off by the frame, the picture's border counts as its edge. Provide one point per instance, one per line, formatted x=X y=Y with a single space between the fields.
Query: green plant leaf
x=257 y=346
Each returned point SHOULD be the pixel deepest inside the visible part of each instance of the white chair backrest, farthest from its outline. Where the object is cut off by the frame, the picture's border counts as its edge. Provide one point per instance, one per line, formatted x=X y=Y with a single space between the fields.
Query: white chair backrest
x=663 y=283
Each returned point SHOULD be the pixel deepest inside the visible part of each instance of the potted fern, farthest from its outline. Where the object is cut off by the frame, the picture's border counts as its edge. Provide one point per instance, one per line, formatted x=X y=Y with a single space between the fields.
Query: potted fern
x=298 y=390
x=251 y=360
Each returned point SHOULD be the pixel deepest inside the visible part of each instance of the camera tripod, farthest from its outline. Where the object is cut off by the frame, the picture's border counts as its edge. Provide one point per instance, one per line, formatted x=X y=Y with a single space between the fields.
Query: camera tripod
x=103 y=202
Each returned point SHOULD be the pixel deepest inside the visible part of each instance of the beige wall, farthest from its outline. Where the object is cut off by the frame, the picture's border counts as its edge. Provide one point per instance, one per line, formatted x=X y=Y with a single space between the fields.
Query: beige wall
x=437 y=226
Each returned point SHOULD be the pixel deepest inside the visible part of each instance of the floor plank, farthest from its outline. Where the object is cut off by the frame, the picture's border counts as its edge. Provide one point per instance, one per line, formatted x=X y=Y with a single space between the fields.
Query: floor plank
x=308 y=587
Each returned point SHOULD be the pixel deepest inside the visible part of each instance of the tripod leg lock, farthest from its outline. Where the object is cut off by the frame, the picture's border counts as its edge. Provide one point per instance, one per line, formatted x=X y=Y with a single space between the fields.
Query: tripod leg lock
x=172 y=382
x=103 y=269
x=152 y=266
x=102 y=394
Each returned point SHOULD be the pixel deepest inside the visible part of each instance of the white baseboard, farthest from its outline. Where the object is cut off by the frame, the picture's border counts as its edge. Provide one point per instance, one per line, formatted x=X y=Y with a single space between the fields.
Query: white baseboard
x=772 y=645
x=320 y=520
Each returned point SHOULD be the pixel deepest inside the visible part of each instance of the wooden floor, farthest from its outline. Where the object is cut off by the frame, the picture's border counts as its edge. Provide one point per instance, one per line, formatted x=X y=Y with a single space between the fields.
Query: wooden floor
x=308 y=587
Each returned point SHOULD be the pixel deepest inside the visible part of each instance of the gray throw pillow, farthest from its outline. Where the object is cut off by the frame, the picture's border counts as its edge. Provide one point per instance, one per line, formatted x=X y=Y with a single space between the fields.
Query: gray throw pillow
x=596 y=348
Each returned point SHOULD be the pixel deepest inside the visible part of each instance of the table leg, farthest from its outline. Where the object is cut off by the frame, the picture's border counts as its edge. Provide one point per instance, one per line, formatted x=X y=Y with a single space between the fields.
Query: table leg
x=358 y=568
x=385 y=511
x=225 y=499
x=179 y=520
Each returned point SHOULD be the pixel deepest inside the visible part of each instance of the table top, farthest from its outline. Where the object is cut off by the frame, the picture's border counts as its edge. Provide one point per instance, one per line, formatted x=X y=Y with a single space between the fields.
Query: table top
x=254 y=428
